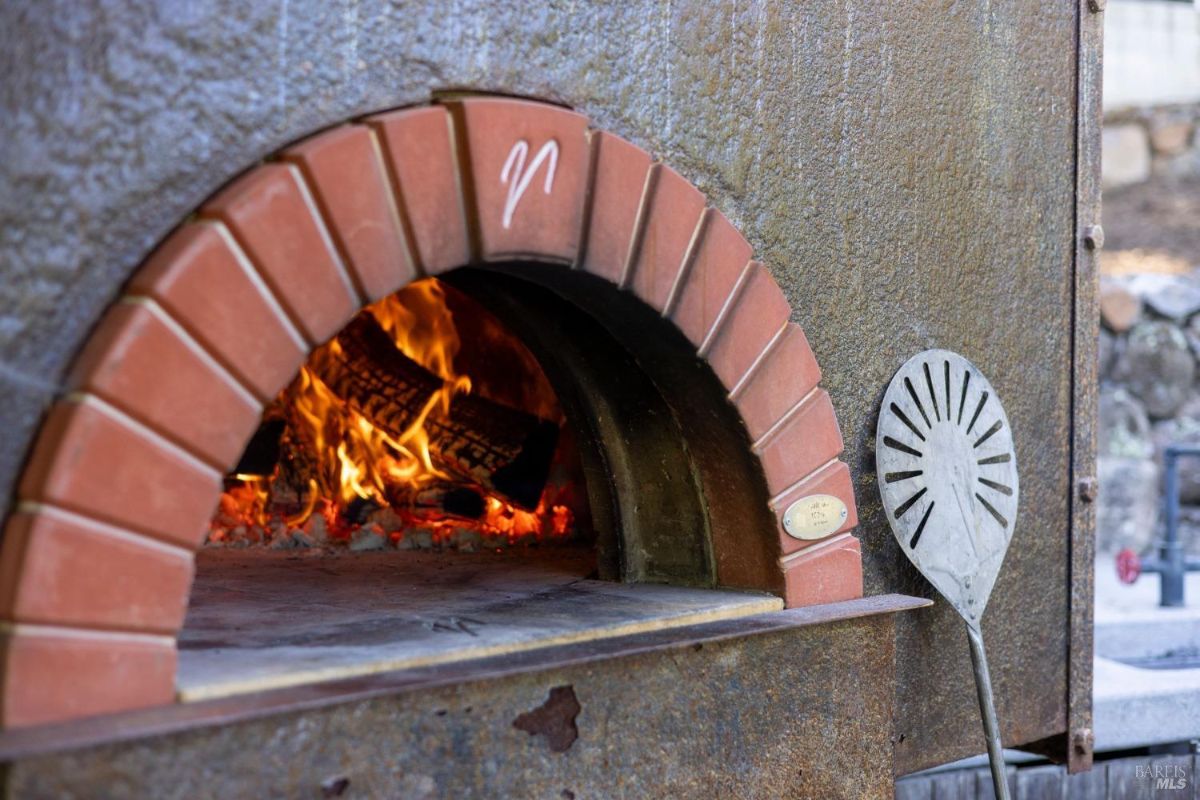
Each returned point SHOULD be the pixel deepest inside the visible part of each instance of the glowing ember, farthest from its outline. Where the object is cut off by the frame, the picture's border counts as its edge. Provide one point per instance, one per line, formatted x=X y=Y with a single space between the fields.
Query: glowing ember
x=342 y=480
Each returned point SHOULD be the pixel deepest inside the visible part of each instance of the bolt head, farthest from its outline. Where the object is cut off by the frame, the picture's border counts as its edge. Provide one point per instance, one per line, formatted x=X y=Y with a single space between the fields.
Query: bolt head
x=1093 y=237
x=1083 y=740
x=1089 y=488
x=1096 y=6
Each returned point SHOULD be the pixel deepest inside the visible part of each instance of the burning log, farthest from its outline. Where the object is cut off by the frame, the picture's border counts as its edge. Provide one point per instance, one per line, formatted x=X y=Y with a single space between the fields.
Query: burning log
x=452 y=500
x=263 y=451
x=504 y=450
x=377 y=443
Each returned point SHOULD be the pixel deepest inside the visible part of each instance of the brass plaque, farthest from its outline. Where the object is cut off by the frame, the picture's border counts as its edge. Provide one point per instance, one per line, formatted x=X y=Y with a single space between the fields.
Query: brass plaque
x=814 y=517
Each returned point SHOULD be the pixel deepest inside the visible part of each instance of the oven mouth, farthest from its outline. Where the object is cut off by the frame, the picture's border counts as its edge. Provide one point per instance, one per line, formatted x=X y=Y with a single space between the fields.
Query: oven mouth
x=695 y=396
x=664 y=474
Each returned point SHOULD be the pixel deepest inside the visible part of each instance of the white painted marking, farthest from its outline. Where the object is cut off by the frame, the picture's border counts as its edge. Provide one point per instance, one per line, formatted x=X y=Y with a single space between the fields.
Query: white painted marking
x=260 y=283
x=322 y=224
x=144 y=431
x=740 y=386
x=88 y=634
x=517 y=178
x=106 y=528
x=200 y=351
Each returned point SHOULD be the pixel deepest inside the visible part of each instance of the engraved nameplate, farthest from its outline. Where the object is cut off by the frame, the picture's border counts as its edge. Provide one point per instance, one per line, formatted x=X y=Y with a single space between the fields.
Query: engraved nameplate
x=814 y=517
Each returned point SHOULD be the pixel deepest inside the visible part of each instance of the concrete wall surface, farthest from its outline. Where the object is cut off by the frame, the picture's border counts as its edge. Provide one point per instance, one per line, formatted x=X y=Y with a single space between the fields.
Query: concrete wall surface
x=1151 y=53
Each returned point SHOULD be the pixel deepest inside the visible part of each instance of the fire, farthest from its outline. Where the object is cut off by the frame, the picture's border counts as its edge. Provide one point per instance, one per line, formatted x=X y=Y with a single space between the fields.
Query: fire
x=247 y=501
x=351 y=464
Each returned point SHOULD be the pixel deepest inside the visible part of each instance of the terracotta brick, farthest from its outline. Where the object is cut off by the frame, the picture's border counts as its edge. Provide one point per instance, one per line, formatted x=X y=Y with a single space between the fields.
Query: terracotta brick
x=758 y=313
x=272 y=217
x=673 y=211
x=529 y=165
x=61 y=569
x=787 y=373
x=197 y=278
x=345 y=169
x=418 y=145
x=720 y=259
x=808 y=439
x=829 y=572
x=831 y=480
x=47 y=675
x=198 y=406
x=88 y=460
x=621 y=170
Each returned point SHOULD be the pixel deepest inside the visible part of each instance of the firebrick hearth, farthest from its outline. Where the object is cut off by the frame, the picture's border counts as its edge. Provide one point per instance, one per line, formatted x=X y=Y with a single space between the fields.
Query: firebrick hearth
x=267 y=620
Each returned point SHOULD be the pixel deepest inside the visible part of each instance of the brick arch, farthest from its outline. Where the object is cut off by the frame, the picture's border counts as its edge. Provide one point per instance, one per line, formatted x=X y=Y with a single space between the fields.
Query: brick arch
x=96 y=561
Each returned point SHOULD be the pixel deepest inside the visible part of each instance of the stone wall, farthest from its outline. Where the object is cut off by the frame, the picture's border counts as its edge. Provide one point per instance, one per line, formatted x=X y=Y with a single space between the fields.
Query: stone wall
x=1141 y=143
x=1149 y=398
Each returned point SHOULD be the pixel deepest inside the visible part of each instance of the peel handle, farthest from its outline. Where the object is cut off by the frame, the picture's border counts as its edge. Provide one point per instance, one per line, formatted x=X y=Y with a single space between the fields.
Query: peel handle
x=987 y=708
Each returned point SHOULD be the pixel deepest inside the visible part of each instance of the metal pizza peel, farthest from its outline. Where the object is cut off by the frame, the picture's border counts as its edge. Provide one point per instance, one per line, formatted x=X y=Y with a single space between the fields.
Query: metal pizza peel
x=947 y=472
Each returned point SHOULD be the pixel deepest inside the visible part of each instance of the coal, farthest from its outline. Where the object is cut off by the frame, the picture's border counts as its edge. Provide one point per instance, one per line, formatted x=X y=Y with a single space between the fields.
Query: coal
x=368 y=537
x=359 y=510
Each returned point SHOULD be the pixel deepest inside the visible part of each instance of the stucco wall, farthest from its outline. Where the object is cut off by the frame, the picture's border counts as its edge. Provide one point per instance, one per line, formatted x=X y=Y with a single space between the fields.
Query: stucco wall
x=906 y=171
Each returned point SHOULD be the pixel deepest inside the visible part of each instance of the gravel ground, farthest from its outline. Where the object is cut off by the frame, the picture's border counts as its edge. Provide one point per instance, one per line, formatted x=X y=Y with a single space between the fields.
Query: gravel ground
x=1152 y=227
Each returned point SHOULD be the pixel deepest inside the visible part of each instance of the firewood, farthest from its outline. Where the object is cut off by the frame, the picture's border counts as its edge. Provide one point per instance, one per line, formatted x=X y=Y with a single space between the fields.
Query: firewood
x=503 y=449
x=449 y=499
x=262 y=453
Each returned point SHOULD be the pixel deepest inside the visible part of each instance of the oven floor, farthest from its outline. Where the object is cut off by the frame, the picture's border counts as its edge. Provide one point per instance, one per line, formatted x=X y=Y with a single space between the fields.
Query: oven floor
x=262 y=620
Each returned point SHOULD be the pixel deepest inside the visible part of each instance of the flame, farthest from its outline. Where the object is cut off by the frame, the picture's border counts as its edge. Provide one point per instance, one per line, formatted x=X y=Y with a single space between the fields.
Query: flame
x=314 y=494
x=247 y=501
x=351 y=460
x=357 y=459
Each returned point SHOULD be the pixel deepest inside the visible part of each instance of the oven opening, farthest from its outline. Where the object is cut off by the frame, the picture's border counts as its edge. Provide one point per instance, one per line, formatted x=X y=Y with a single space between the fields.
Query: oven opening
x=473 y=466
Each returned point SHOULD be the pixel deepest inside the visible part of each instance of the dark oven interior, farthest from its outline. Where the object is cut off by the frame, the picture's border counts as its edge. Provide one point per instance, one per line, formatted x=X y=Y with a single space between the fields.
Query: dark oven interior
x=483 y=462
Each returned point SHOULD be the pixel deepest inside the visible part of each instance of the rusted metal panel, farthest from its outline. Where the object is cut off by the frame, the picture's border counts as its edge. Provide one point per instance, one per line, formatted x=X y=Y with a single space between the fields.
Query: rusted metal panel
x=792 y=704
x=945 y=217
x=909 y=172
x=1089 y=238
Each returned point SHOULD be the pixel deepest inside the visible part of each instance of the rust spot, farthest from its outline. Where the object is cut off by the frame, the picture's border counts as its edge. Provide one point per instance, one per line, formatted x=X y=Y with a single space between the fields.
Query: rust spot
x=554 y=719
